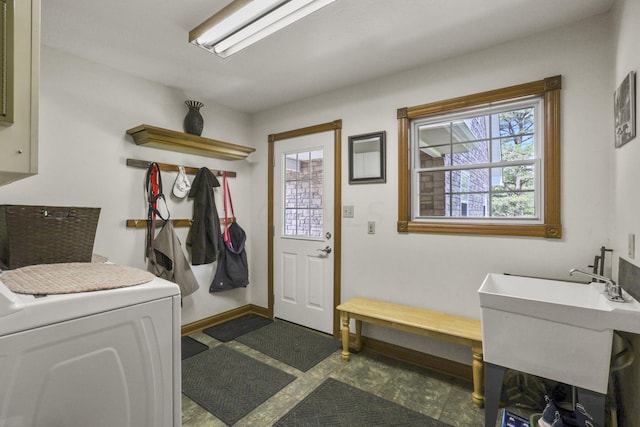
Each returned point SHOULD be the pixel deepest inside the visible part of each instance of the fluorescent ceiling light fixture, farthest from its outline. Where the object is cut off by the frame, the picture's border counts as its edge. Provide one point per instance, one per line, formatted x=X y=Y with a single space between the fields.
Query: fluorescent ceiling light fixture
x=243 y=22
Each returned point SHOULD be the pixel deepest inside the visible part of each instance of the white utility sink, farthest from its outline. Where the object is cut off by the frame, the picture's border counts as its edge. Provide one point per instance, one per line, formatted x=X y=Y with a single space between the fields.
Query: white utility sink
x=554 y=329
x=571 y=303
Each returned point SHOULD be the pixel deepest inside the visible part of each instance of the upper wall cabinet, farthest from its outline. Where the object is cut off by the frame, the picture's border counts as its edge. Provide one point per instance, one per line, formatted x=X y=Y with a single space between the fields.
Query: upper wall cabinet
x=20 y=73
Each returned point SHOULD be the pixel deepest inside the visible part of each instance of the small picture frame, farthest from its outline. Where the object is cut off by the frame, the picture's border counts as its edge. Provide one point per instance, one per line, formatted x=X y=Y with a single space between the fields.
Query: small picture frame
x=624 y=104
x=367 y=162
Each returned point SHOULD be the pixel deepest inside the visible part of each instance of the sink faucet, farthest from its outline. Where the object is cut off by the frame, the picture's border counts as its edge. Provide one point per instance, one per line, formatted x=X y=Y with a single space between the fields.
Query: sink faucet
x=612 y=289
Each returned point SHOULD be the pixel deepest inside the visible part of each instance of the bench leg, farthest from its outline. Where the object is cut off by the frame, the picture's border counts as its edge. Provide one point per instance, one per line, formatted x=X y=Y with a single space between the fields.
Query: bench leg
x=478 y=376
x=358 y=343
x=344 y=329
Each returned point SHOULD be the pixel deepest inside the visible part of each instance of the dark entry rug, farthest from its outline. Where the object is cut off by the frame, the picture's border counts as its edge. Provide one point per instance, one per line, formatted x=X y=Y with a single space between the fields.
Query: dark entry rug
x=335 y=403
x=291 y=344
x=229 y=331
x=191 y=347
x=230 y=384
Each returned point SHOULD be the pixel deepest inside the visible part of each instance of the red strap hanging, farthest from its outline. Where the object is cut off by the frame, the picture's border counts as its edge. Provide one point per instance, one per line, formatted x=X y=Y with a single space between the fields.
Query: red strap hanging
x=226 y=195
x=153 y=186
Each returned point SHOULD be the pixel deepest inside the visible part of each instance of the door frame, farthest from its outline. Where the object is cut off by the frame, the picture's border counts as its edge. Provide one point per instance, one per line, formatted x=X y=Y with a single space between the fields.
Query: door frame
x=336 y=127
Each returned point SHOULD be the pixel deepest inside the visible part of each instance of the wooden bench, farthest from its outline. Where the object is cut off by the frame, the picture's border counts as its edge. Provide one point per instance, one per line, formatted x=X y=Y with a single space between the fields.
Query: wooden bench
x=434 y=324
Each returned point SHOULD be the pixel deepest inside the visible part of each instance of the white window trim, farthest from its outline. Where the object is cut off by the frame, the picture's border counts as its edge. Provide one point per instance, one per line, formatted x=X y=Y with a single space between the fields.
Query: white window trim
x=538 y=161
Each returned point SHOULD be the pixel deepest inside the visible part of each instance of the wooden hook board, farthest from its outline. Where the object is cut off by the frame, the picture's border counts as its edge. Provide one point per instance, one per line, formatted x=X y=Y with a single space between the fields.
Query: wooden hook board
x=142 y=223
x=144 y=164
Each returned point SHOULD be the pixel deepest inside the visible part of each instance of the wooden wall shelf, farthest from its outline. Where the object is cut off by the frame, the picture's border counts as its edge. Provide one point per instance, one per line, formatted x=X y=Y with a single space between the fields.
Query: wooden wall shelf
x=152 y=136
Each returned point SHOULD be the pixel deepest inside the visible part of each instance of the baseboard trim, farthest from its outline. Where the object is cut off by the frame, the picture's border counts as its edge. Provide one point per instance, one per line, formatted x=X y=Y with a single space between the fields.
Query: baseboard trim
x=414 y=357
x=261 y=311
x=207 y=322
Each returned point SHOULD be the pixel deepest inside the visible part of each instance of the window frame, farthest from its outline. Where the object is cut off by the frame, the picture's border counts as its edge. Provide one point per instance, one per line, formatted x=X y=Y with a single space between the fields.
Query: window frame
x=550 y=225
x=533 y=102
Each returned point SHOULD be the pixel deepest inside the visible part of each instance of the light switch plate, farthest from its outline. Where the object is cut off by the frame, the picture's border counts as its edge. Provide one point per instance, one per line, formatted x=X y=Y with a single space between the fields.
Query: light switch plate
x=371 y=227
x=632 y=246
x=347 y=211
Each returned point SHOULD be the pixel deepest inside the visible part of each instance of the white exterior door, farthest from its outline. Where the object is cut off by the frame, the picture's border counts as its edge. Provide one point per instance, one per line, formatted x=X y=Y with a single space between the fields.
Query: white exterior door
x=303 y=200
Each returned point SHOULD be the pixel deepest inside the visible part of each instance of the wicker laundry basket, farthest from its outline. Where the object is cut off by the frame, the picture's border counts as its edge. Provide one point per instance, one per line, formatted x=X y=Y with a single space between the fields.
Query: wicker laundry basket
x=46 y=234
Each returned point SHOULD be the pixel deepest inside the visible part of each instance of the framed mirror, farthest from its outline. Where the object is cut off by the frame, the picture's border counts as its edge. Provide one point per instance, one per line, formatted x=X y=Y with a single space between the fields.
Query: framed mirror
x=367 y=162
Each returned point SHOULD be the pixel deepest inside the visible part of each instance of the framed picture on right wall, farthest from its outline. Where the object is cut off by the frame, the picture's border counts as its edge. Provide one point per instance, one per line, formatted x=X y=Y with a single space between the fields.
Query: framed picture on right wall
x=624 y=105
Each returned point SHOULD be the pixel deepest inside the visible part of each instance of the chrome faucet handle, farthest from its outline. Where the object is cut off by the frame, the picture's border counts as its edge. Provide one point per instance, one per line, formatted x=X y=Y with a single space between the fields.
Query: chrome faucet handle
x=615 y=293
x=612 y=289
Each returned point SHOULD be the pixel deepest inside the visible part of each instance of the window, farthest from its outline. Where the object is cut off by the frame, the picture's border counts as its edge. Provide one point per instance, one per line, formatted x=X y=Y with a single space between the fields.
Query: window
x=487 y=163
x=482 y=164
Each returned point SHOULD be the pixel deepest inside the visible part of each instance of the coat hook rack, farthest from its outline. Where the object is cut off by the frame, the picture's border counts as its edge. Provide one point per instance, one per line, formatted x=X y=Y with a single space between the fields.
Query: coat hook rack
x=144 y=164
x=142 y=223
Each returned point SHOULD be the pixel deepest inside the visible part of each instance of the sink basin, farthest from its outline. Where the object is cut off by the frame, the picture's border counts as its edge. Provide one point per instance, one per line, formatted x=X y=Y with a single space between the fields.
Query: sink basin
x=570 y=303
x=552 y=328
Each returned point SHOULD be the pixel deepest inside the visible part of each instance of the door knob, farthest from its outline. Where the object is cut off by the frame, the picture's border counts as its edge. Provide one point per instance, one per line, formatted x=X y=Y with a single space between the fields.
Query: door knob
x=326 y=250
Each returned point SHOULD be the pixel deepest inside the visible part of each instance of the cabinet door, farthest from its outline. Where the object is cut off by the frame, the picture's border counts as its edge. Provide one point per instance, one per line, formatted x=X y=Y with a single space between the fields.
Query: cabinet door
x=19 y=136
x=6 y=62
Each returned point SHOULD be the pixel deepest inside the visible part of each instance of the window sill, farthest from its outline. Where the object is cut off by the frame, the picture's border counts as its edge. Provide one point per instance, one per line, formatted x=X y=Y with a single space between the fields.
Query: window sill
x=551 y=231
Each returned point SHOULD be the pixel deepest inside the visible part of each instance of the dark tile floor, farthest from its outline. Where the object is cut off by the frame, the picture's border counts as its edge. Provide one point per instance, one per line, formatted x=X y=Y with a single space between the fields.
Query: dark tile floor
x=439 y=396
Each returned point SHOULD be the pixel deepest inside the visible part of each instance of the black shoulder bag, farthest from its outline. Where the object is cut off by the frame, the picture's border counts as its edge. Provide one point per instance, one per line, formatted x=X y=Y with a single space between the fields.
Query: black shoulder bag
x=232 y=270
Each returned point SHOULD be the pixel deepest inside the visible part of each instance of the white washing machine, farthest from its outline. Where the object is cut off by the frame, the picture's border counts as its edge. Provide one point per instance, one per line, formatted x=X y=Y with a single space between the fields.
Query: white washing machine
x=104 y=358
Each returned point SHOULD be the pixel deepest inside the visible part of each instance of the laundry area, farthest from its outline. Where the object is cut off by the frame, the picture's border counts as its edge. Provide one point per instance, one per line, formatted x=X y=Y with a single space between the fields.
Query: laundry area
x=95 y=342
x=83 y=341
x=444 y=192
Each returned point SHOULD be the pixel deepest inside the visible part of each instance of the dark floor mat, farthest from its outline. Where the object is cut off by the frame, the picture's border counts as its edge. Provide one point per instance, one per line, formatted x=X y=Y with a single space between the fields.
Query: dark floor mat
x=230 y=384
x=191 y=347
x=228 y=331
x=334 y=403
x=291 y=344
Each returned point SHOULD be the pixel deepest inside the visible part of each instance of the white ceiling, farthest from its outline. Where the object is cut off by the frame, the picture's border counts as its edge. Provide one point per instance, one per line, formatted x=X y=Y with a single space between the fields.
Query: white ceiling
x=345 y=43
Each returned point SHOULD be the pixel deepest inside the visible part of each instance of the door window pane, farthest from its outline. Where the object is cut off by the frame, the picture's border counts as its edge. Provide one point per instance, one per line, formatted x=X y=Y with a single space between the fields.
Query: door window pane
x=303 y=202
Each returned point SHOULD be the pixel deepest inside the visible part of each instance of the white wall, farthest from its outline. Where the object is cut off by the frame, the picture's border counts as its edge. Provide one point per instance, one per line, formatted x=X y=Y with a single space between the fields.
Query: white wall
x=626 y=176
x=443 y=272
x=85 y=109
